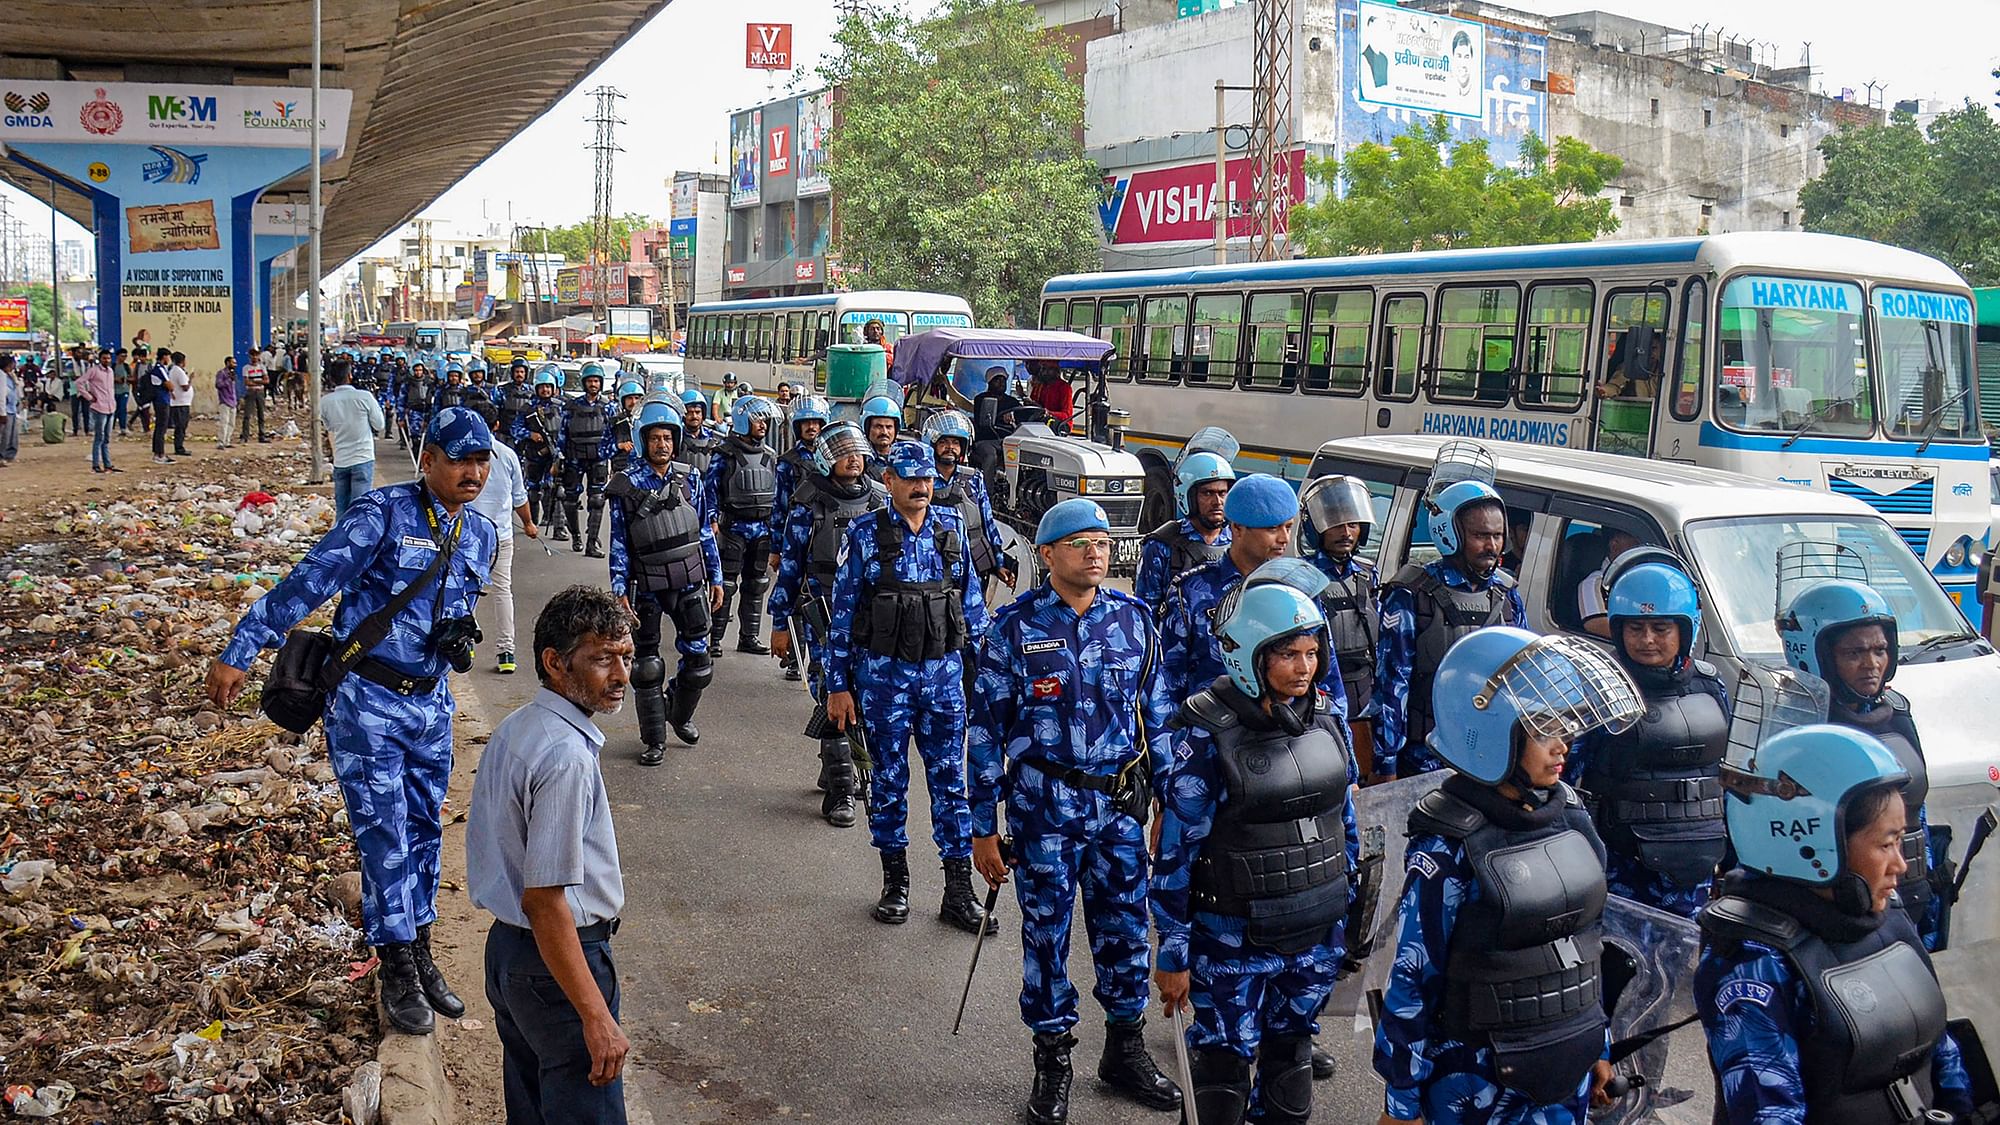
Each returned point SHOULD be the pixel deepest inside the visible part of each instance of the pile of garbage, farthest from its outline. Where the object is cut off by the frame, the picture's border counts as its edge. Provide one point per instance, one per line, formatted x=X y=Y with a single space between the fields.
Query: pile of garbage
x=178 y=895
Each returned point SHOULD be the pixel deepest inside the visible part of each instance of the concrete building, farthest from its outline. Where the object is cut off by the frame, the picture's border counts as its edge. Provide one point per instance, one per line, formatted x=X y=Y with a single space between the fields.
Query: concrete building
x=780 y=202
x=698 y=226
x=1715 y=134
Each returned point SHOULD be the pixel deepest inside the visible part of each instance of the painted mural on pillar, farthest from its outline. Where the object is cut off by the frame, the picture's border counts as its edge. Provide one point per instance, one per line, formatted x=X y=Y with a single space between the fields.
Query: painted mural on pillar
x=1380 y=100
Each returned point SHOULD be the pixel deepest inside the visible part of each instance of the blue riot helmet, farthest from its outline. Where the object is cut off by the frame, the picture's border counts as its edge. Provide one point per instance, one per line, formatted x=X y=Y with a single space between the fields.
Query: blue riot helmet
x=1195 y=470
x=592 y=369
x=520 y=364
x=475 y=364
x=811 y=408
x=1651 y=582
x=1445 y=506
x=750 y=408
x=658 y=414
x=548 y=375
x=949 y=424
x=628 y=388
x=881 y=406
x=841 y=439
x=1500 y=679
x=1332 y=501
x=454 y=367
x=1266 y=614
x=1786 y=808
x=1822 y=611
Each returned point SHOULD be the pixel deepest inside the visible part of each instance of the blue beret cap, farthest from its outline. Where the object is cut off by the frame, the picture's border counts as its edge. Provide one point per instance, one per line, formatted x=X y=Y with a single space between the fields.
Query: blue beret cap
x=1260 y=500
x=459 y=432
x=1069 y=517
x=911 y=460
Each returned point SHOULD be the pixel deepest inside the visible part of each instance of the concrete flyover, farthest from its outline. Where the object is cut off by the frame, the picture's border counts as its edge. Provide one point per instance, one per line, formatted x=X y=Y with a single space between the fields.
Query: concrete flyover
x=438 y=86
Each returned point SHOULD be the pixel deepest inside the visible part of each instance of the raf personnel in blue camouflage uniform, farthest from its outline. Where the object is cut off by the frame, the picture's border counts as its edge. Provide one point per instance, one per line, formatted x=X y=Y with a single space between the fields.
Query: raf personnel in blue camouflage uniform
x=537 y=439
x=1199 y=536
x=1819 y=1000
x=388 y=723
x=512 y=399
x=829 y=497
x=1655 y=791
x=1425 y=609
x=1257 y=857
x=1069 y=716
x=1502 y=895
x=904 y=607
x=1338 y=515
x=419 y=392
x=1261 y=510
x=809 y=415
x=586 y=420
x=621 y=442
x=664 y=564
x=700 y=437
x=743 y=478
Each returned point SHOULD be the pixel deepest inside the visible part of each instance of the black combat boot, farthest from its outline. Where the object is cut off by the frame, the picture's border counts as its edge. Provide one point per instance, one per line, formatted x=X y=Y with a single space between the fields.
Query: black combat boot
x=1221 y=1086
x=751 y=624
x=1128 y=1068
x=1322 y=1064
x=552 y=509
x=681 y=703
x=1284 y=1080
x=894 y=905
x=402 y=993
x=596 y=526
x=570 y=515
x=959 y=908
x=1048 y=1102
x=791 y=666
x=718 y=623
x=443 y=1000
x=836 y=760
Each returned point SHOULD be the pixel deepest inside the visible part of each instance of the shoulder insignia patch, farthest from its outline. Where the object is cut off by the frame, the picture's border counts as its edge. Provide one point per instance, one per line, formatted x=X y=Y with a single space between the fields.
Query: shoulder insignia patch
x=1736 y=992
x=1421 y=863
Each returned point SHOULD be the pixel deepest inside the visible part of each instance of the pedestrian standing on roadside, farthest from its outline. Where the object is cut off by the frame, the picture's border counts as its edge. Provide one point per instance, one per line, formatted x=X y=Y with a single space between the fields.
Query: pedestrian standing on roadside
x=158 y=390
x=504 y=497
x=225 y=401
x=180 y=399
x=143 y=397
x=94 y=390
x=79 y=408
x=121 y=390
x=351 y=420
x=255 y=381
x=10 y=410
x=542 y=857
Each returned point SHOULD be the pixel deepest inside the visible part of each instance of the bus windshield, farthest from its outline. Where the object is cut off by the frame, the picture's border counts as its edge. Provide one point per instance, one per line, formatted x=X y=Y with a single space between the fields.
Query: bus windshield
x=1924 y=348
x=1740 y=557
x=457 y=339
x=895 y=325
x=1793 y=357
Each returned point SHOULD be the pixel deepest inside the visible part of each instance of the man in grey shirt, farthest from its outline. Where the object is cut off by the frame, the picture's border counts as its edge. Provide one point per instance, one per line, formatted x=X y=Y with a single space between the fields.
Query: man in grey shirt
x=541 y=856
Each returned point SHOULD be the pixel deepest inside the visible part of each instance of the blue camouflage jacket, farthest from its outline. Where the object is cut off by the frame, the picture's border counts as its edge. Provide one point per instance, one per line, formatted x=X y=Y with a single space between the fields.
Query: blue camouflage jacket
x=1187 y=634
x=642 y=476
x=1394 y=651
x=1085 y=691
x=387 y=539
x=920 y=561
x=1151 y=584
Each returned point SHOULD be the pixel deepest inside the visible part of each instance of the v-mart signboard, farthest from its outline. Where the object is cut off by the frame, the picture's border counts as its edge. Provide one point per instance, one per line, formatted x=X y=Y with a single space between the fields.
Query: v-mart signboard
x=767 y=46
x=1177 y=204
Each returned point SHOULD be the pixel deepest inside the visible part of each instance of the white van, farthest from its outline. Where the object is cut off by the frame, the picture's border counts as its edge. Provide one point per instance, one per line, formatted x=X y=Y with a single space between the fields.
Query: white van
x=654 y=371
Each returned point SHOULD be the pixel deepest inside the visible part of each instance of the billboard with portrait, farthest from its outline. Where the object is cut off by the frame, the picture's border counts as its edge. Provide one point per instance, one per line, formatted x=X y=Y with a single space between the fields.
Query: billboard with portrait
x=1381 y=100
x=746 y=158
x=815 y=122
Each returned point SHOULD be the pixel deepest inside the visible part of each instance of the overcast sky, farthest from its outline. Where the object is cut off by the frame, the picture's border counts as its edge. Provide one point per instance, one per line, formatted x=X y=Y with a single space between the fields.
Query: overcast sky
x=683 y=73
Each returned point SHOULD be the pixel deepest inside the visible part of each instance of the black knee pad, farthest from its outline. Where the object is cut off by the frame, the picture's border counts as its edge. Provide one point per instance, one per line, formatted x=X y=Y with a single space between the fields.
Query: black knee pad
x=649 y=672
x=734 y=550
x=697 y=670
x=1221 y=1086
x=1284 y=1078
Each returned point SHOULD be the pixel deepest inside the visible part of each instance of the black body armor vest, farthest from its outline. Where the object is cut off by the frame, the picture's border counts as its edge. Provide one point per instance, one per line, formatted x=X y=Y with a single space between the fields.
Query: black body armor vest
x=1444 y=614
x=911 y=621
x=957 y=493
x=663 y=532
x=698 y=449
x=1890 y=721
x=584 y=428
x=516 y=399
x=1354 y=617
x=749 y=481
x=834 y=506
x=545 y=418
x=1185 y=552
x=417 y=393
x=1656 y=790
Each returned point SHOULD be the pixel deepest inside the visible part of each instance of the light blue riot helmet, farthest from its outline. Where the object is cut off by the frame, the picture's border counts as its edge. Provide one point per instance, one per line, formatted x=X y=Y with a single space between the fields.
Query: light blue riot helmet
x=628 y=388
x=592 y=369
x=949 y=424
x=880 y=406
x=1650 y=582
x=811 y=408
x=454 y=366
x=476 y=364
x=1443 y=510
x=1195 y=470
x=750 y=408
x=692 y=397
x=1820 y=613
x=658 y=414
x=1500 y=679
x=548 y=375
x=841 y=439
x=1266 y=614
x=1786 y=808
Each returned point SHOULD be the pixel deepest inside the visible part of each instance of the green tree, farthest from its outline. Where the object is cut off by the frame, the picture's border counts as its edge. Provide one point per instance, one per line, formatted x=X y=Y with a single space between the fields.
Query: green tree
x=1424 y=192
x=956 y=155
x=73 y=328
x=573 y=241
x=1936 y=191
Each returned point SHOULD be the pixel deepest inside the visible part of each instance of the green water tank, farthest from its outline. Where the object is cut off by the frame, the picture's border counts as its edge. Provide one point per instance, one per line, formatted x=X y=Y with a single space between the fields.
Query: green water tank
x=850 y=368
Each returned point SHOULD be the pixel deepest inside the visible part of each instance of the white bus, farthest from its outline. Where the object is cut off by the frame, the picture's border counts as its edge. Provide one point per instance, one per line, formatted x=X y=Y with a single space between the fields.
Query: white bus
x=449 y=338
x=775 y=340
x=1807 y=359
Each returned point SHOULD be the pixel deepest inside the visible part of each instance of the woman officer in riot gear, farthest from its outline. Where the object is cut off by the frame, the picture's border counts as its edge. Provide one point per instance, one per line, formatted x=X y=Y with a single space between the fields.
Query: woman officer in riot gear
x=1820 y=1003
x=1257 y=854
x=1503 y=892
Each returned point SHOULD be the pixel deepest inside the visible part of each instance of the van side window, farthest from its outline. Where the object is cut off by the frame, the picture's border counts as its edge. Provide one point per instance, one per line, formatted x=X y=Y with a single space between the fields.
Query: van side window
x=1584 y=548
x=1421 y=551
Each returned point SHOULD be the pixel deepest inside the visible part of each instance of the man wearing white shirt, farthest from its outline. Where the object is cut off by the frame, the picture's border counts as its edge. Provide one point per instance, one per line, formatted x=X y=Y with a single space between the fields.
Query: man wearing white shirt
x=504 y=497
x=180 y=396
x=351 y=420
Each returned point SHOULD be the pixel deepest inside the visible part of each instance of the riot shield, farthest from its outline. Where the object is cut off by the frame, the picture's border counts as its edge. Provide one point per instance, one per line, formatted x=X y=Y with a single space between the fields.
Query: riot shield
x=1649 y=962
x=1382 y=819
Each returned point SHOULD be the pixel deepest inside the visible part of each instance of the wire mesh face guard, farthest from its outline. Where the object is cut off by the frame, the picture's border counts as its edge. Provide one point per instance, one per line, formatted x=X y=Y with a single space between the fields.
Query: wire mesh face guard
x=1461 y=460
x=842 y=439
x=1809 y=560
x=1210 y=439
x=1563 y=686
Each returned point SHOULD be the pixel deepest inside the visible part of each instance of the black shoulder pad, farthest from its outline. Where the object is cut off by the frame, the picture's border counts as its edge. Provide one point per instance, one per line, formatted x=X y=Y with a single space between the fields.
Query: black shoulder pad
x=1704 y=668
x=1165 y=533
x=619 y=485
x=1203 y=709
x=1567 y=795
x=1896 y=700
x=1740 y=919
x=1410 y=577
x=1442 y=814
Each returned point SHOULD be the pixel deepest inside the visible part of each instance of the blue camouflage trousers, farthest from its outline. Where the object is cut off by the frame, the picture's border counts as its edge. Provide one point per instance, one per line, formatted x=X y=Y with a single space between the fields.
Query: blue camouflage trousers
x=392 y=756
x=1626 y=877
x=1110 y=866
x=1241 y=995
x=935 y=714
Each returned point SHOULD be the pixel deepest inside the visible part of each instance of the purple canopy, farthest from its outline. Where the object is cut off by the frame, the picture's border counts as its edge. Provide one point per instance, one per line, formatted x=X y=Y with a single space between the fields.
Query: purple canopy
x=919 y=356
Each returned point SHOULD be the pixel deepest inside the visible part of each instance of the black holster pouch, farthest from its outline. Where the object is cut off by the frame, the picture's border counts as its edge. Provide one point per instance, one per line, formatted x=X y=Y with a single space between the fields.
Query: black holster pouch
x=295 y=692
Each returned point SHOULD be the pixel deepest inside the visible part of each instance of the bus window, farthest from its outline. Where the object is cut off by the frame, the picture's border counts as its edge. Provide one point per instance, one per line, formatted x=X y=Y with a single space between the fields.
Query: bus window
x=1925 y=350
x=1337 y=345
x=1401 y=350
x=1218 y=335
x=1055 y=316
x=1475 y=342
x=739 y=345
x=1163 y=341
x=1276 y=321
x=823 y=335
x=1082 y=316
x=1557 y=340
x=1793 y=357
x=767 y=337
x=1694 y=351
x=1635 y=346
x=1115 y=326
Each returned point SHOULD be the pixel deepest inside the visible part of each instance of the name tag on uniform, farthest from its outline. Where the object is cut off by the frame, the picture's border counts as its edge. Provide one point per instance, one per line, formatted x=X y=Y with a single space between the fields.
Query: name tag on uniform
x=1048 y=687
x=419 y=541
x=1033 y=647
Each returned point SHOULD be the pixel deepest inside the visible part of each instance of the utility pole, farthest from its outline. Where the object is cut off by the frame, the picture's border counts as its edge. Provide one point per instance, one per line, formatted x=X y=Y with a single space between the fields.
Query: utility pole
x=312 y=378
x=1270 y=126
x=605 y=145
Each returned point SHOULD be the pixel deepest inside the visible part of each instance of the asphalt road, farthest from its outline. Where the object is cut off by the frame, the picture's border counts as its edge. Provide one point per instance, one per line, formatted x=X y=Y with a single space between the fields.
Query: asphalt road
x=756 y=985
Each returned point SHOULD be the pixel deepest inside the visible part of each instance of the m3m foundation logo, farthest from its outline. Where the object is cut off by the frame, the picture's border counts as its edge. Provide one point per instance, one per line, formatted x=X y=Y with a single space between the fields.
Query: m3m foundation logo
x=282 y=115
x=27 y=111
